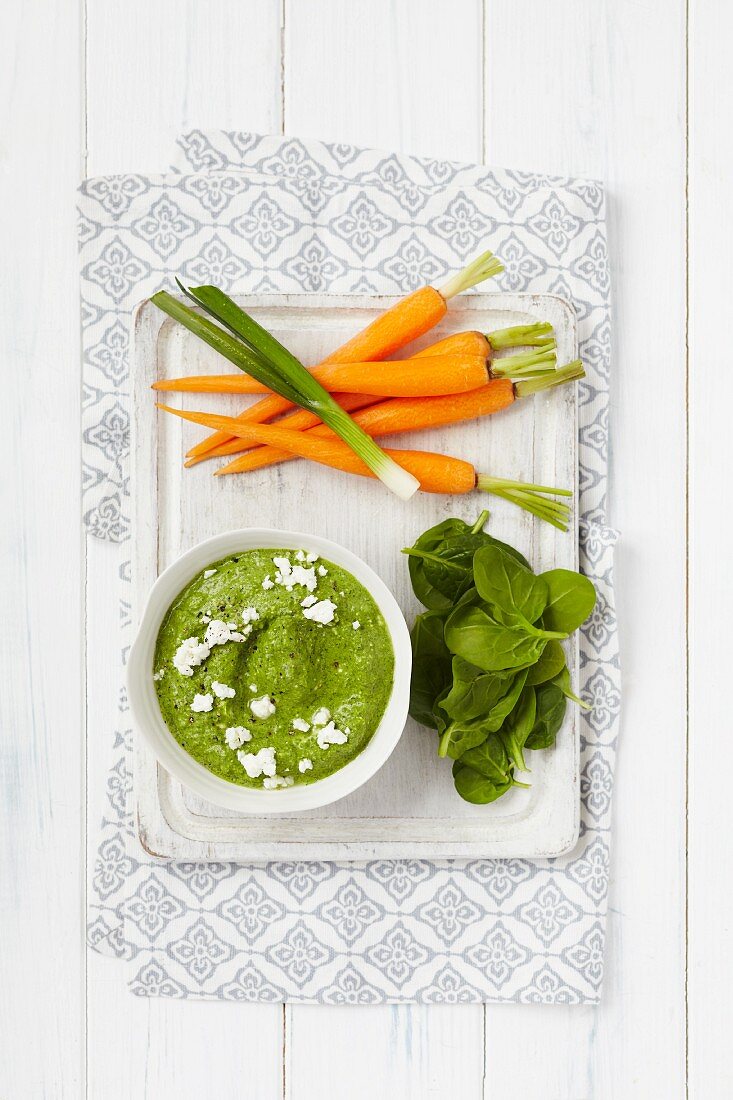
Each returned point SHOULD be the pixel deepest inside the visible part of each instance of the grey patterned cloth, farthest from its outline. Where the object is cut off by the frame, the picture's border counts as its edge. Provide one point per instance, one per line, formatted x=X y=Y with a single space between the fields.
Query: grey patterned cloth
x=268 y=213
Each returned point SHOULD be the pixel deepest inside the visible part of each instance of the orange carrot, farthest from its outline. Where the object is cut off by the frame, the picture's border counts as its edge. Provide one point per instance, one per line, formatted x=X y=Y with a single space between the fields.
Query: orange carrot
x=400 y=414
x=426 y=377
x=460 y=343
x=404 y=322
x=217 y=444
x=436 y=473
x=297 y=421
x=439 y=474
x=412 y=316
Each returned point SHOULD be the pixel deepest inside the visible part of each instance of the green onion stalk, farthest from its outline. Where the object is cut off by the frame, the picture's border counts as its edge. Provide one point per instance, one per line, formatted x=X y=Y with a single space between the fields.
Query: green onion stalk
x=241 y=340
x=262 y=356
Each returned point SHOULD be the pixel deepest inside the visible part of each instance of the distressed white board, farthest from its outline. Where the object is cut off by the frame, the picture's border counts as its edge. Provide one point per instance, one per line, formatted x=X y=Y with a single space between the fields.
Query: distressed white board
x=599 y=89
x=410 y=808
x=41 y=564
x=710 y=929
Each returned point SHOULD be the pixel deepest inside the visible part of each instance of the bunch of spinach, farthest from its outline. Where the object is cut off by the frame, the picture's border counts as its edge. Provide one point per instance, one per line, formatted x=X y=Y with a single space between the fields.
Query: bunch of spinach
x=489 y=672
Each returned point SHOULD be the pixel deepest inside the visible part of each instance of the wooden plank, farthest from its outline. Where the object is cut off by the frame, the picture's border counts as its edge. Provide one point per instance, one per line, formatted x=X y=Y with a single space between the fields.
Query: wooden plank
x=154 y=71
x=391 y=76
x=406 y=1051
x=179 y=1050
x=41 y=958
x=602 y=93
x=710 y=592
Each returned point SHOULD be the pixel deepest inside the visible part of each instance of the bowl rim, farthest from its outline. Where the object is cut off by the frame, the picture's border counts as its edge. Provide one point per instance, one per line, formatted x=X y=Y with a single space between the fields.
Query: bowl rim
x=148 y=720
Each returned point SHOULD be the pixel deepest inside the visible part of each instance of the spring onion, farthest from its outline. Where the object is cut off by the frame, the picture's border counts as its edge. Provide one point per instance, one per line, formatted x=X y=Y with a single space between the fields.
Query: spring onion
x=255 y=351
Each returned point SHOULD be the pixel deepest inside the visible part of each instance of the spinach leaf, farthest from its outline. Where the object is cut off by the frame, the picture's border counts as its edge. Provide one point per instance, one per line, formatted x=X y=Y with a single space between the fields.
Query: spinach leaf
x=463 y=733
x=423 y=588
x=476 y=788
x=506 y=704
x=471 y=633
x=441 y=560
x=562 y=680
x=550 y=664
x=550 y=713
x=488 y=671
x=490 y=759
x=483 y=774
x=431 y=666
x=473 y=691
x=460 y=734
x=518 y=727
x=571 y=598
x=508 y=585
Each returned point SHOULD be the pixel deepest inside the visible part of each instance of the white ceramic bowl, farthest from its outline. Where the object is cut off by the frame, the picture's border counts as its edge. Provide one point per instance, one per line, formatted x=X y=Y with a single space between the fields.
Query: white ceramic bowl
x=144 y=701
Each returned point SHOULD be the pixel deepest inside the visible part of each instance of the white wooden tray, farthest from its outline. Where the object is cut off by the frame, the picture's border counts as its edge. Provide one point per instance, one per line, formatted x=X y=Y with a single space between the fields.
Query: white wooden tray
x=410 y=808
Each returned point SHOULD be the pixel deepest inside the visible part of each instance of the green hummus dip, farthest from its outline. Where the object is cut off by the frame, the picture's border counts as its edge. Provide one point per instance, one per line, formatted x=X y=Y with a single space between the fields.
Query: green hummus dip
x=273 y=650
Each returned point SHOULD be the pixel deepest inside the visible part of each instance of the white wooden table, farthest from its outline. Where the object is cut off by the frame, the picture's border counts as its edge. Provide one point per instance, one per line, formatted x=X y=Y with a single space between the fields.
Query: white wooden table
x=638 y=93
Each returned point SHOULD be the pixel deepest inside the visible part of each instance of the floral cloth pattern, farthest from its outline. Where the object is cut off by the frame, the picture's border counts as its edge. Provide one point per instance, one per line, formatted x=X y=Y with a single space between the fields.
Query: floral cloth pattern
x=271 y=213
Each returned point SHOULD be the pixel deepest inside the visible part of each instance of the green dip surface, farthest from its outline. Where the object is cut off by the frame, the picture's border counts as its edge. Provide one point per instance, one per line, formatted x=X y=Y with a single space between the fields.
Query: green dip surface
x=282 y=659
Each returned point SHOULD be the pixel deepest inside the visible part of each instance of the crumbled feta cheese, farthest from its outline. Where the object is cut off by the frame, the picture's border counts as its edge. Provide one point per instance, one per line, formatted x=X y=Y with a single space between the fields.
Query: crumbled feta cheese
x=310 y=558
x=321 y=612
x=236 y=736
x=300 y=556
x=309 y=601
x=209 y=573
x=222 y=691
x=301 y=725
x=268 y=582
x=250 y=615
x=190 y=653
x=262 y=707
x=218 y=633
x=275 y=781
x=284 y=569
x=253 y=687
x=356 y=624
x=202 y=703
x=329 y=735
x=159 y=674
x=258 y=763
x=304 y=577
x=322 y=571
x=288 y=575
x=305 y=764
x=321 y=716
x=206 y=618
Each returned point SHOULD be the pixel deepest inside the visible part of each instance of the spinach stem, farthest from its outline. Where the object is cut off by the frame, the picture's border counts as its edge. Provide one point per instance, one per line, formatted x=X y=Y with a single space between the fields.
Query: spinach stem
x=480 y=522
x=444 y=742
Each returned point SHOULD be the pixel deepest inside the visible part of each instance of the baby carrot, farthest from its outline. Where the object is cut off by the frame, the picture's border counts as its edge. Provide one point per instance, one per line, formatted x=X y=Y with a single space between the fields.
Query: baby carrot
x=426 y=377
x=297 y=421
x=412 y=316
x=412 y=414
x=538 y=334
x=436 y=473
